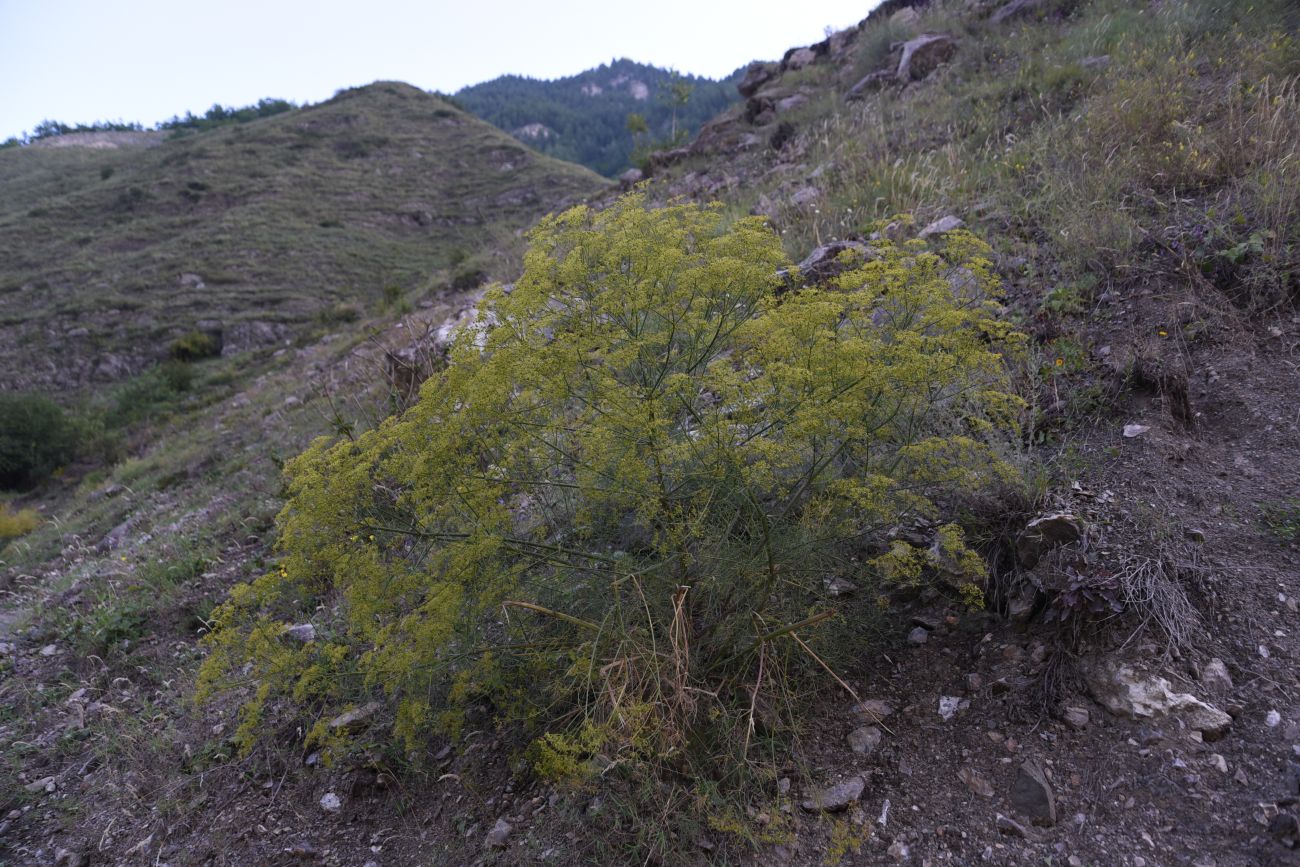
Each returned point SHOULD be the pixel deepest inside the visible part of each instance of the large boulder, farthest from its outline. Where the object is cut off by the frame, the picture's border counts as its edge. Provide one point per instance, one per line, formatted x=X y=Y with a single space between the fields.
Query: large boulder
x=922 y=55
x=798 y=58
x=757 y=75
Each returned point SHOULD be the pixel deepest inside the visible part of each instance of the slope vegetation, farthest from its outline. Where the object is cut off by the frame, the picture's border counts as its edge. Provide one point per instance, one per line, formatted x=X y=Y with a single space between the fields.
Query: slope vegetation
x=112 y=245
x=584 y=118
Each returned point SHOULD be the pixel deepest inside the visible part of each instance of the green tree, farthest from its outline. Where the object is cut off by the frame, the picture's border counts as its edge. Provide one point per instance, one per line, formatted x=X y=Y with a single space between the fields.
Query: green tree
x=36 y=438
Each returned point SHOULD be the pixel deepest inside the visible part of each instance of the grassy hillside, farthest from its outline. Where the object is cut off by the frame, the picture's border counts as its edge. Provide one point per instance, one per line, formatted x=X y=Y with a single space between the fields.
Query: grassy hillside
x=583 y=118
x=259 y=230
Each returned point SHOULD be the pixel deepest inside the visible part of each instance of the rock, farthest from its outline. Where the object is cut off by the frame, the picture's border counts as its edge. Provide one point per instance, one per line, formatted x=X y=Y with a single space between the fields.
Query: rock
x=1285 y=828
x=496 y=838
x=49 y=650
x=975 y=782
x=44 y=784
x=922 y=55
x=827 y=261
x=1123 y=690
x=1013 y=9
x=663 y=159
x=898 y=851
x=873 y=710
x=919 y=635
x=68 y=858
x=973 y=682
x=355 y=718
x=790 y=103
x=1218 y=762
x=303 y=632
x=950 y=704
x=244 y=336
x=941 y=225
x=798 y=58
x=869 y=83
x=1215 y=677
x=757 y=75
x=864 y=740
x=1045 y=533
x=1132 y=431
x=631 y=178
x=1273 y=719
x=837 y=586
x=1076 y=718
x=1012 y=828
x=782 y=136
x=805 y=197
x=905 y=17
x=837 y=797
x=330 y=802
x=1032 y=795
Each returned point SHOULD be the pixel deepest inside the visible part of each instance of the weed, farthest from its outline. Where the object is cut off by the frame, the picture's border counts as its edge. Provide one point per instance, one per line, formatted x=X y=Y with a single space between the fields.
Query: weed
x=1282 y=518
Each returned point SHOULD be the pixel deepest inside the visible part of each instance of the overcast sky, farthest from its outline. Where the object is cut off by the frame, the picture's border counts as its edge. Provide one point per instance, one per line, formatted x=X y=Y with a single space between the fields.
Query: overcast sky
x=79 y=61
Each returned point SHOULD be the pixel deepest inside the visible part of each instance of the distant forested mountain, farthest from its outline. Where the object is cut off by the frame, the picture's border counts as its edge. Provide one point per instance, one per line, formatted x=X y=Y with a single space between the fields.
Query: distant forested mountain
x=588 y=118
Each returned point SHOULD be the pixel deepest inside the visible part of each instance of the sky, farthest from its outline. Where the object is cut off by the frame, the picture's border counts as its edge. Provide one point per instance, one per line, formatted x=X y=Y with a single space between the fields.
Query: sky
x=79 y=61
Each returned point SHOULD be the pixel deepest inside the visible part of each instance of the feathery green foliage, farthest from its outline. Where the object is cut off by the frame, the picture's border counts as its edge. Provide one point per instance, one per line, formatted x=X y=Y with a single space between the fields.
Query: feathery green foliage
x=622 y=503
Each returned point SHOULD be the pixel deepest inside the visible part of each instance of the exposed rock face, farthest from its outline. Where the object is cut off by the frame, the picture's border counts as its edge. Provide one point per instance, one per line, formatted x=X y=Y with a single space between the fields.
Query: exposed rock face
x=1124 y=690
x=922 y=55
x=757 y=75
x=631 y=178
x=799 y=58
x=243 y=336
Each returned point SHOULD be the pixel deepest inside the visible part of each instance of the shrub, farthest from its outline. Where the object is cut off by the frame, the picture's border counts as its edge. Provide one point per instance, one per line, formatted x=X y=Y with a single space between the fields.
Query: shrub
x=14 y=524
x=194 y=346
x=619 y=511
x=36 y=438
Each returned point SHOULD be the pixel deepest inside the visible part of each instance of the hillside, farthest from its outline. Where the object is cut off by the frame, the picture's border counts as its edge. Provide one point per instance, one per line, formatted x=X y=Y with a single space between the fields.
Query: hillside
x=583 y=118
x=257 y=231
x=1064 y=632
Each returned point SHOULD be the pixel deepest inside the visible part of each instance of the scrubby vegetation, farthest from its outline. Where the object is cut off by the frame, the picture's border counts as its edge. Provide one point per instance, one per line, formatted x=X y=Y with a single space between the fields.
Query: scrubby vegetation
x=17 y=522
x=36 y=438
x=624 y=517
x=1129 y=142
